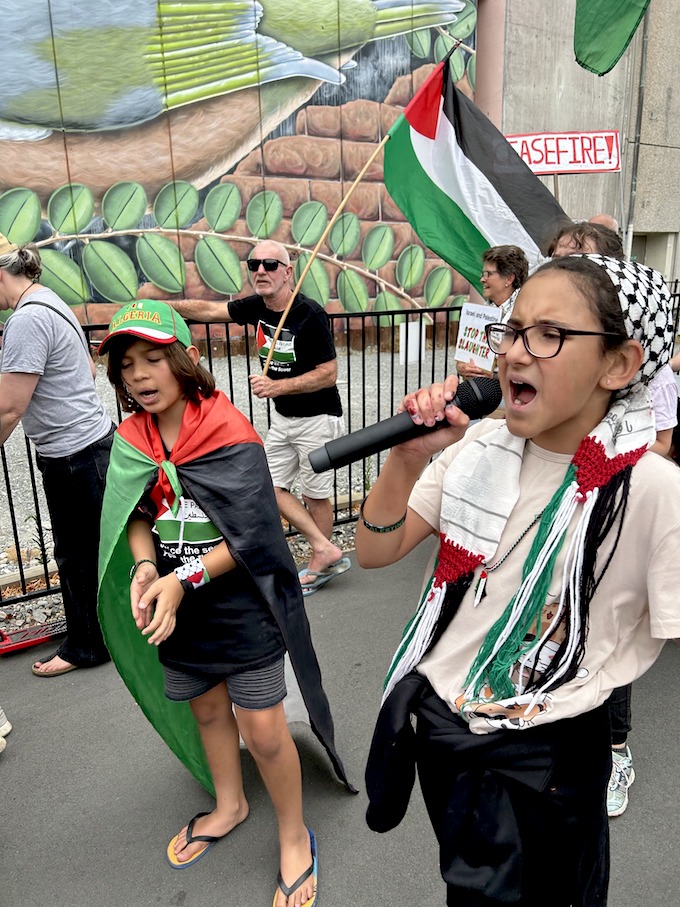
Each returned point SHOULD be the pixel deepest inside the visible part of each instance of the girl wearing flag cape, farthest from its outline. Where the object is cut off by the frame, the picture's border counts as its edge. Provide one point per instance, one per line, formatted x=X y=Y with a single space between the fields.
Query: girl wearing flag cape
x=555 y=582
x=192 y=543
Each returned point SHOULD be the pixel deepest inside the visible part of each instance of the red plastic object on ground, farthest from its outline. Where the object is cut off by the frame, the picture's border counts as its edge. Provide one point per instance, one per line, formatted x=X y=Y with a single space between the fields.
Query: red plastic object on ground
x=30 y=636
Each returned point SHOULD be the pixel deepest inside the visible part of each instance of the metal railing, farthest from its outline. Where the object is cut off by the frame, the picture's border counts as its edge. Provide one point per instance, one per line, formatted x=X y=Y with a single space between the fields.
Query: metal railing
x=380 y=358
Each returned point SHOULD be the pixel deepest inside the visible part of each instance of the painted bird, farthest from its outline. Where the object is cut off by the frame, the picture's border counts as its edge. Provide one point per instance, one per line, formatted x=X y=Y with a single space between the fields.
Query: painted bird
x=82 y=66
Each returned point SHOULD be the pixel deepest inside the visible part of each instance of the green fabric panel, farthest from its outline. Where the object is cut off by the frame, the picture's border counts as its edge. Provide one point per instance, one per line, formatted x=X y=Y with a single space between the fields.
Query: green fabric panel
x=603 y=29
x=136 y=660
x=436 y=218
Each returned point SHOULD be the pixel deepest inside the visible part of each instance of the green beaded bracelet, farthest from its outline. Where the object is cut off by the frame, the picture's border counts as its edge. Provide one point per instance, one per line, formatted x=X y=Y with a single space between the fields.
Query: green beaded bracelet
x=372 y=526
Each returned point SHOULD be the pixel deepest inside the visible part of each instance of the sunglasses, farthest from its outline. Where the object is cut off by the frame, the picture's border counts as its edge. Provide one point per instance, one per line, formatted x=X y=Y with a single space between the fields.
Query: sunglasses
x=269 y=264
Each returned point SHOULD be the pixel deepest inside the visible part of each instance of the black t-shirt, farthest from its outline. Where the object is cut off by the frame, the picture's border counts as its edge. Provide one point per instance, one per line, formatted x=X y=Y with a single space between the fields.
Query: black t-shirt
x=305 y=342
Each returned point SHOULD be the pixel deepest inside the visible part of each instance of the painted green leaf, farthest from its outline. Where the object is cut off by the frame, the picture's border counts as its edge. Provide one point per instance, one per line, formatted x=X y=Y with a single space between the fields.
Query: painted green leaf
x=378 y=246
x=420 y=43
x=352 y=291
x=110 y=271
x=176 y=205
x=20 y=215
x=345 y=234
x=70 y=208
x=387 y=302
x=410 y=265
x=466 y=22
x=458 y=302
x=222 y=207
x=62 y=275
x=316 y=284
x=218 y=265
x=438 y=286
x=472 y=71
x=124 y=205
x=264 y=213
x=308 y=223
x=161 y=262
x=442 y=46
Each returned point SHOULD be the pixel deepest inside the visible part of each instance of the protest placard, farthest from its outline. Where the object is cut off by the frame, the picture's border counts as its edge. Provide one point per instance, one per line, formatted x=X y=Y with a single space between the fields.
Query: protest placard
x=471 y=342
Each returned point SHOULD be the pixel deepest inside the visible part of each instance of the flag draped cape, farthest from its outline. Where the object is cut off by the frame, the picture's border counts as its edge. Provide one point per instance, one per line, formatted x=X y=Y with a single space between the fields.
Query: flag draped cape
x=459 y=182
x=219 y=461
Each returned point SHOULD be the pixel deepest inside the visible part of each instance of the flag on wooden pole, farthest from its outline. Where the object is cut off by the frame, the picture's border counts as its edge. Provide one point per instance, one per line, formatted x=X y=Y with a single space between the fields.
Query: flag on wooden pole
x=459 y=182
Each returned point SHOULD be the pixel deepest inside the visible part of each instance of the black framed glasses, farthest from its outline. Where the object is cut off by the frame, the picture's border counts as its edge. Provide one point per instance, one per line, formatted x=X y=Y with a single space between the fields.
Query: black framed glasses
x=542 y=341
x=269 y=264
x=487 y=274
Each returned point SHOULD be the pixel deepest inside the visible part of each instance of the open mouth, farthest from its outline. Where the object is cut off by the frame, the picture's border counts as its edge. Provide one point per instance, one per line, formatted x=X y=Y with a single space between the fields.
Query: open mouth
x=521 y=393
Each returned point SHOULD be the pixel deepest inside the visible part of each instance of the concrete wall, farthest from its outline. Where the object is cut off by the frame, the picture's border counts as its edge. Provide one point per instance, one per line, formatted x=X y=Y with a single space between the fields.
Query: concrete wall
x=529 y=81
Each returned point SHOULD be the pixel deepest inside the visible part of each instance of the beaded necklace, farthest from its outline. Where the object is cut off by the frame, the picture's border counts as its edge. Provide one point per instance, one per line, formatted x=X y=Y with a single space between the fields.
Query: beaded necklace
x=480 y=587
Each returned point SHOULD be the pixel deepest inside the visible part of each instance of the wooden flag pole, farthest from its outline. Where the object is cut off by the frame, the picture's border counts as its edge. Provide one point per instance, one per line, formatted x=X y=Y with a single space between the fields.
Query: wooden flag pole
x=325 y=233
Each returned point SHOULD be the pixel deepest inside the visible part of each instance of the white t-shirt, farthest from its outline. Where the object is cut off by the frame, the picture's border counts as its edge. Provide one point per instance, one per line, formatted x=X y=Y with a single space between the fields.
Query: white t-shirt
x=636 y=606
x=664 y=391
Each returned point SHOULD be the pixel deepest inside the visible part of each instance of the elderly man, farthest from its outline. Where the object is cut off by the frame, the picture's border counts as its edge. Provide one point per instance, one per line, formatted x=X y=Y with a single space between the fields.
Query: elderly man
x=301 y=381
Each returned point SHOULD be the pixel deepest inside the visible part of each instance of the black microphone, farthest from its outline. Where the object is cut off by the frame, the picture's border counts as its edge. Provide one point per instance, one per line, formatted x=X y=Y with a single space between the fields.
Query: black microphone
x=476 y=398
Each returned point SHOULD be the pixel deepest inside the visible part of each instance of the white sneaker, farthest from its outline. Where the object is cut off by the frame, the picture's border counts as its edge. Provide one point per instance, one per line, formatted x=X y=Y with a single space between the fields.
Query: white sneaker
x=621 y=778
x=5 y=726
x=3 y=744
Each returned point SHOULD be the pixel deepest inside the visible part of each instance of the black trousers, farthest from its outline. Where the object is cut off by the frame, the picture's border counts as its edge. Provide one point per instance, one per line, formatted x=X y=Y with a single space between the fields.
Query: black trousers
x=620 y=713
x=559 y=833
x=74 y=490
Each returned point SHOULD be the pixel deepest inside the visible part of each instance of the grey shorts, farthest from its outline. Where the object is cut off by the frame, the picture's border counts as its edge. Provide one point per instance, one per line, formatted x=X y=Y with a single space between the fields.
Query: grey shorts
x=261 y=688
x=290 y=440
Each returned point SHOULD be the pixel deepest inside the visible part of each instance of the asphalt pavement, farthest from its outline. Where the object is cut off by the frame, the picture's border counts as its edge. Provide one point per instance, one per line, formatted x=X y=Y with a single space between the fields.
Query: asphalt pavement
x=91 y=795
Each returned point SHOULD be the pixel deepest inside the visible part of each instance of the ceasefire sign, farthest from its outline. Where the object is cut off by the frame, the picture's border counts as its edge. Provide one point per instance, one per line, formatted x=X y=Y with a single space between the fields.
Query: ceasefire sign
x=568 y=152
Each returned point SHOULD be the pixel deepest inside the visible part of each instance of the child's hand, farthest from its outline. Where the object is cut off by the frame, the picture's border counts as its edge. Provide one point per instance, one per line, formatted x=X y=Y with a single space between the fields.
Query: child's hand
x=164 y=596
x=145 y=575
x=427 y=406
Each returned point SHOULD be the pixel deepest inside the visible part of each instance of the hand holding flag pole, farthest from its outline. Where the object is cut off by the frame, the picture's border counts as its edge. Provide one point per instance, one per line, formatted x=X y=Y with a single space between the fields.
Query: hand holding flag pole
x=308 y=265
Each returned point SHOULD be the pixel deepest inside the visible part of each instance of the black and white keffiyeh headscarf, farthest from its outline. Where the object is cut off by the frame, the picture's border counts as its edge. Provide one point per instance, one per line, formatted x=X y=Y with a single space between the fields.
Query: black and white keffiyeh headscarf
x=475 y=511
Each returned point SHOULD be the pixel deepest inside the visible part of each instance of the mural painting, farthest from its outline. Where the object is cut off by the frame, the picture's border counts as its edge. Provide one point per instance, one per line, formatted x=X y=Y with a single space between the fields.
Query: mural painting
x=146 y=145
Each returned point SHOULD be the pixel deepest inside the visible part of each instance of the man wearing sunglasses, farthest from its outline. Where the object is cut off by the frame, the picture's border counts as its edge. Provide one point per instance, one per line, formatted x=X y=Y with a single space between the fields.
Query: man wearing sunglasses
x=301 y=381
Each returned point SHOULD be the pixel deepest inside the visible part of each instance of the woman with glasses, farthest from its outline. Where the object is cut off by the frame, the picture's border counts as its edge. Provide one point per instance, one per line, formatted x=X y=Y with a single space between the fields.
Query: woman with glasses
x=504 y=270
x=554 y=583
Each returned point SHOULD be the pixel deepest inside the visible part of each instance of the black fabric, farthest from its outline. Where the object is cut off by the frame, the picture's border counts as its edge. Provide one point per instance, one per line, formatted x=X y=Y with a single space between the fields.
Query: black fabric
x=309 y=341
x=225 y=626
x=74 y=490
x=530 y=201
x=248 y=521
x=620 y=714
x=520 y=816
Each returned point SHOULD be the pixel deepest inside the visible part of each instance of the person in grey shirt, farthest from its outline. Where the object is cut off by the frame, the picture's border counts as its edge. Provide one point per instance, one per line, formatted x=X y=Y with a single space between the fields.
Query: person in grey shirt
x=47 y=383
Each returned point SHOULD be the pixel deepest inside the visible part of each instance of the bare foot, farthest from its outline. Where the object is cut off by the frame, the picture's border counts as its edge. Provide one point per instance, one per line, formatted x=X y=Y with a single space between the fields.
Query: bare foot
x=296 y=857
x=321 y=560
x=215 y=823
x=54 y=666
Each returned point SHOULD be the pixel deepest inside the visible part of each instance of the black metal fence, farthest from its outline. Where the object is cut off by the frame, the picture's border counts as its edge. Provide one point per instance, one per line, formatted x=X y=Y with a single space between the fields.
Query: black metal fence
x=380 y=358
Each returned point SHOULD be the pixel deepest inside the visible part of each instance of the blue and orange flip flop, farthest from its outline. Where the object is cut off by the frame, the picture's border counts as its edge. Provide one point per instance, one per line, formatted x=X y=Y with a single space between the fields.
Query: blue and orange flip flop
x=210 y=840
x=312 y=870
x=323 y=576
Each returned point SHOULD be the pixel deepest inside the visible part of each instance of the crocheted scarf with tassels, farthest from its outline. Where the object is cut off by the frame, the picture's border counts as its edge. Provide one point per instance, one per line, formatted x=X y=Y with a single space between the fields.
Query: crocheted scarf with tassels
x=594 y=491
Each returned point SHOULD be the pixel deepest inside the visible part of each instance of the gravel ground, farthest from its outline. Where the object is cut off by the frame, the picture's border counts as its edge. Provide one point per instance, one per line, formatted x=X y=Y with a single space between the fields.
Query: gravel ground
x=370 y=386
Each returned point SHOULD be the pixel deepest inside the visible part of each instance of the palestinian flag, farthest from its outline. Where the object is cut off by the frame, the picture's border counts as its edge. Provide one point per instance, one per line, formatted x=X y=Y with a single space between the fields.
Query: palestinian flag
x=284 y=351
x=218 y=461
x=603 y=29
x=461 y=185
